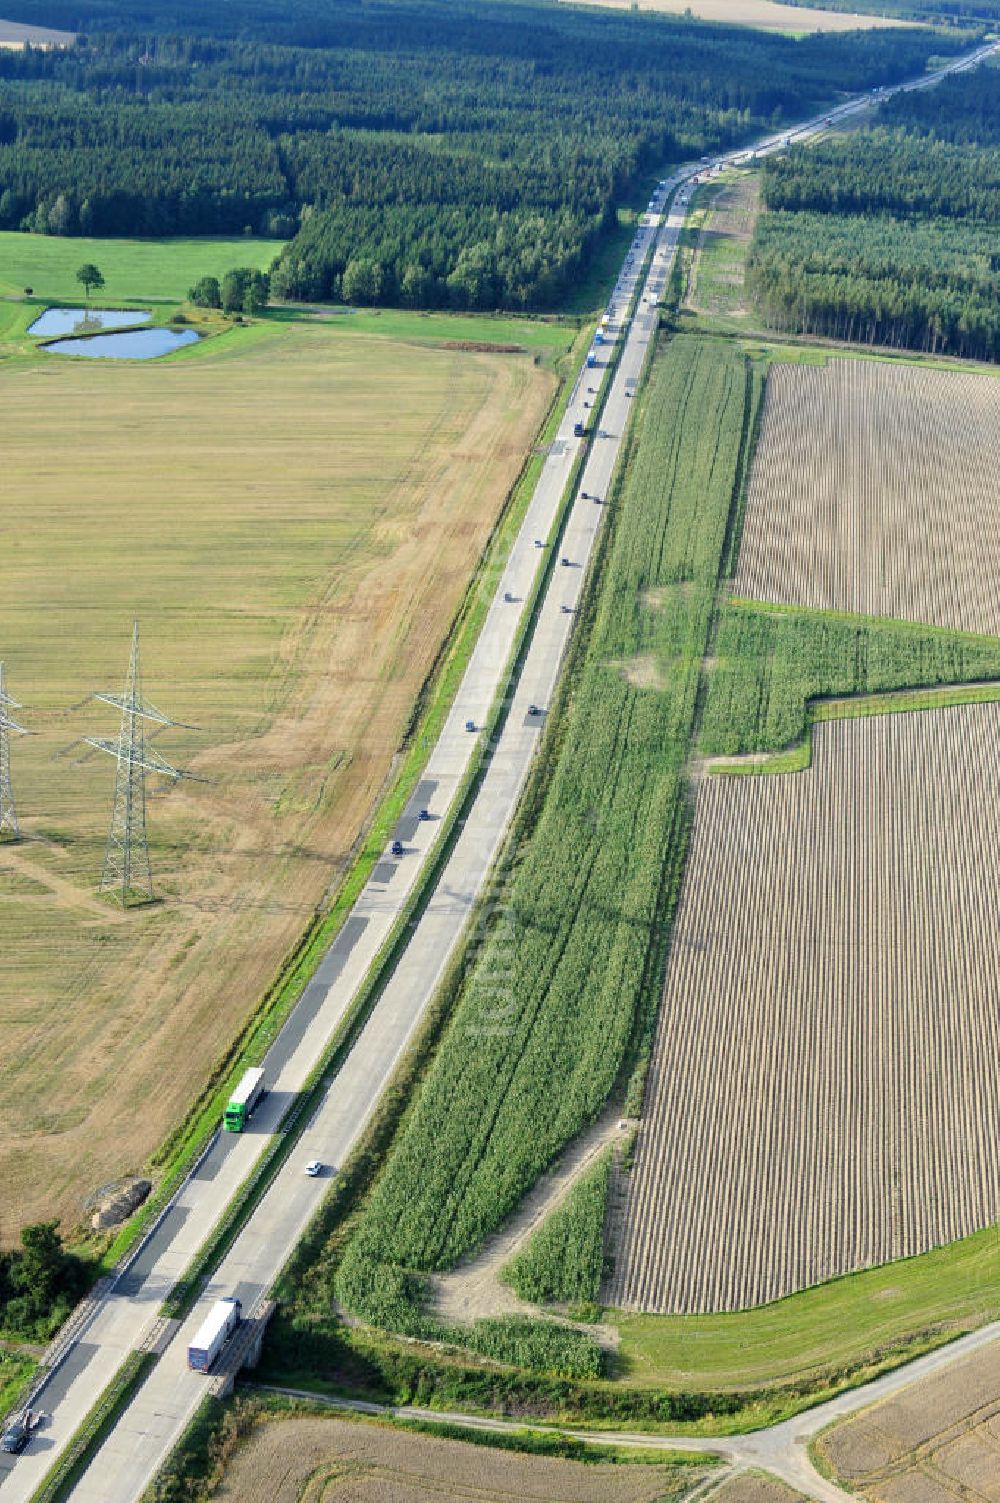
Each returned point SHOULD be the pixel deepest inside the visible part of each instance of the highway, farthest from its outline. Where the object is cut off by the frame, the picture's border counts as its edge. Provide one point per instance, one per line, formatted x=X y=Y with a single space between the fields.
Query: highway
x=127 y=1317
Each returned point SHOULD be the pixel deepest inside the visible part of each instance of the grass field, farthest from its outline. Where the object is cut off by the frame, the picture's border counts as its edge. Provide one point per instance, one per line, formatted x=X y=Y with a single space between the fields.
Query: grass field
x=293 y=580
x=726 y=225
x=833 y=956
x=160 y=269
x=593 y=876
x=874 y=490
x=937 y=1442
x=764 y=15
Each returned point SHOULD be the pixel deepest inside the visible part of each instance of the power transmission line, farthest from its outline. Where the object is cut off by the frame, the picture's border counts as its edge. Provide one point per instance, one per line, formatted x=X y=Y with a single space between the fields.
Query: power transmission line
x=9 y=828
x=126 y=860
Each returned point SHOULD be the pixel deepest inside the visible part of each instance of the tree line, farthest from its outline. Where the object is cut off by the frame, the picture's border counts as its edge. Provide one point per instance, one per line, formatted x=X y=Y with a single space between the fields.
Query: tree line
x=456 y=155
x=888 y=236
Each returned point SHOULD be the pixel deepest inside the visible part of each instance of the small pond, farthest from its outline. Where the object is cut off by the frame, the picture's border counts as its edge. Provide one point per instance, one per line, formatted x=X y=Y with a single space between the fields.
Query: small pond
x=138 y=344
x=79 y=320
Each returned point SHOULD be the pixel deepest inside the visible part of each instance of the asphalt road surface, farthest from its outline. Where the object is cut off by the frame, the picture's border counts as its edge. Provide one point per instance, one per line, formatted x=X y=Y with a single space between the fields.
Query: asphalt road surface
x=127 y=1317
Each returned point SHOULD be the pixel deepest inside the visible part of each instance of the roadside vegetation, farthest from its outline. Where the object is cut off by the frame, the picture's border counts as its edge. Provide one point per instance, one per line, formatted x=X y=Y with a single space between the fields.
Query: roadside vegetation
x=16 y=1372
x=40 y=1282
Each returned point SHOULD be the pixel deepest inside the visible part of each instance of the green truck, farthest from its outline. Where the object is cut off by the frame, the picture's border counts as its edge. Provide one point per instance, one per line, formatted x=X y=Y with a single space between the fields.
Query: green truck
x=243 y=1100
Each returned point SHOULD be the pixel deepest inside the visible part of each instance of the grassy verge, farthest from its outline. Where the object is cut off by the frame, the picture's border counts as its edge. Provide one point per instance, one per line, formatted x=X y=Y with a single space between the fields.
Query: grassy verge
x=824 y=1338
x=16 y=1372
x=67 y=1471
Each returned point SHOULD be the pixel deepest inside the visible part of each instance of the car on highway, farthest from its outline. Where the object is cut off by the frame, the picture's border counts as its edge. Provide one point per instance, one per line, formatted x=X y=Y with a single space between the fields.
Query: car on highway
x=534 y=710
x=16 y=1436
x=424 y=814
x=314 y=1168
x=564 y=561
x=397 y=847
x=470 y=725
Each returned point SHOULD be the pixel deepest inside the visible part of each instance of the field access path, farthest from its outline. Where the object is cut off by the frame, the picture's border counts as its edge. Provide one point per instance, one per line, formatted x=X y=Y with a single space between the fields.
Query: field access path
x=127 y=1316
x=782 y=1450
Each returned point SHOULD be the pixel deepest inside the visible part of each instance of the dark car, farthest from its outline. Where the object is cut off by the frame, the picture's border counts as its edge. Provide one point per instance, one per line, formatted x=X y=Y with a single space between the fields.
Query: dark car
x=424 y=814
x=397 y=847
x=15 y=1438
x=470 y=725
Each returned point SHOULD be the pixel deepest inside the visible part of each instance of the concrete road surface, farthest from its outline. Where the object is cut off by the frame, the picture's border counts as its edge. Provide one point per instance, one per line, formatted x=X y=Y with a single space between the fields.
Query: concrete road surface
x=127 y=1318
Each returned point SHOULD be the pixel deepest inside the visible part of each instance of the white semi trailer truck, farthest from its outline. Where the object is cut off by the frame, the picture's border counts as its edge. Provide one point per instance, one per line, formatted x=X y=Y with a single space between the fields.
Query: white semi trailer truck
x=213 y=1333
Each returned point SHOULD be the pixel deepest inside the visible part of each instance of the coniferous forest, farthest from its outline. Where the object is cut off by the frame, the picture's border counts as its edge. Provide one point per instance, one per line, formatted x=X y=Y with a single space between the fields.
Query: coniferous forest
x=889 y=236
x=414 y=153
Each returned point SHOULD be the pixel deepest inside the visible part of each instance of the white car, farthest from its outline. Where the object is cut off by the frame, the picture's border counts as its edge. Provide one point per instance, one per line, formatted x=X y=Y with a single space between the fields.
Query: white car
x=314 y=1168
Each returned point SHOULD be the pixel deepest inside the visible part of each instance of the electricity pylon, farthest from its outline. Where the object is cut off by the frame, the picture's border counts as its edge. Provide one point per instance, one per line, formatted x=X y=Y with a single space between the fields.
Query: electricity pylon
x=9 y=827
x=126 y=860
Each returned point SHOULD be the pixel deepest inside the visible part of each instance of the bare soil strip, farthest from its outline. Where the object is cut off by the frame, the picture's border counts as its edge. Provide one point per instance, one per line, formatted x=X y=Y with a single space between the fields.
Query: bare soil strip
x=823 y=1091
x=876 y=489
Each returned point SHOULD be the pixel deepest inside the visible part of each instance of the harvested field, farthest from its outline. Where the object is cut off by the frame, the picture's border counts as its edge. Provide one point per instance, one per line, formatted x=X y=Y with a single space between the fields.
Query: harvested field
x=876 y=489
x=19 y=34
x=937 y=1442
x=765 y=15
x=341 y=1461
x=754 y=1487
x=823 y=1090
x=294 y=516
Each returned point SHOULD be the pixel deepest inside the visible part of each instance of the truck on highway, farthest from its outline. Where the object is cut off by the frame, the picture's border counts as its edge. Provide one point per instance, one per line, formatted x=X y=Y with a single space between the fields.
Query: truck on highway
x=243 y=1100
x=213 y=1333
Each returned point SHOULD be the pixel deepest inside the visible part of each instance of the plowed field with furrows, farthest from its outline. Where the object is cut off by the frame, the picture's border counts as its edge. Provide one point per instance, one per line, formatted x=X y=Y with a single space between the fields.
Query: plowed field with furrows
x=876 y=489
x=823 y=1094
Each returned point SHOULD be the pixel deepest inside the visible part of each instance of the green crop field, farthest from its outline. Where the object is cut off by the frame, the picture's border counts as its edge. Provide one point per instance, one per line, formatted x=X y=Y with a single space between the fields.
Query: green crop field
x=564 y=1261
x=159 y=269
x=593 y=880
x=293 y=583
x=769 y=661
